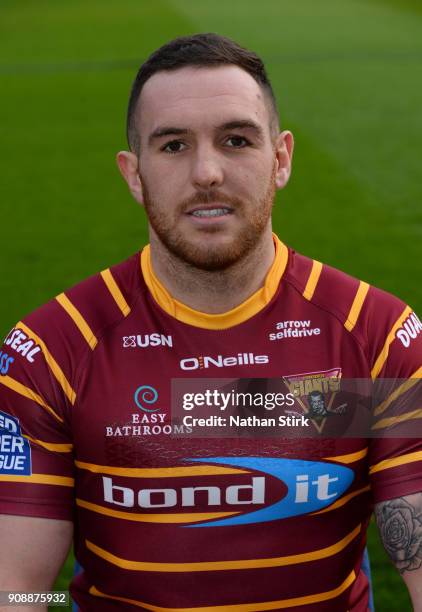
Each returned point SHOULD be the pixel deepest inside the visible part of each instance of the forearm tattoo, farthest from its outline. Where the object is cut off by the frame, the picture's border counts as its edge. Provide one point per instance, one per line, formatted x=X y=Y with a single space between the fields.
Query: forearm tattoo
x=400 y=525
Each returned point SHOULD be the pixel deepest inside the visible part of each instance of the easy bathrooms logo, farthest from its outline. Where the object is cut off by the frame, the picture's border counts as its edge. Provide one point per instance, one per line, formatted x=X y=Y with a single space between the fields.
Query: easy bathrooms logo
x=145 y=396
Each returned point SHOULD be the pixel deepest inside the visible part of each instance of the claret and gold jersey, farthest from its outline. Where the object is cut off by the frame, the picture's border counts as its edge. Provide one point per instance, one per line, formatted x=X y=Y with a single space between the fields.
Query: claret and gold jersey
x=165 y=523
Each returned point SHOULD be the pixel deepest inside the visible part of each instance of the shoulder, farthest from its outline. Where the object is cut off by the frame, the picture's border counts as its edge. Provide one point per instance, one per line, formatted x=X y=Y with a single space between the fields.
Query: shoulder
x=69 y=325
x=101 y=300
x=378 y=320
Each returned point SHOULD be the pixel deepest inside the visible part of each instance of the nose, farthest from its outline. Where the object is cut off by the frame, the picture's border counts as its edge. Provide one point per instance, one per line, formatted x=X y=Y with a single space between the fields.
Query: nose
x=207 y=170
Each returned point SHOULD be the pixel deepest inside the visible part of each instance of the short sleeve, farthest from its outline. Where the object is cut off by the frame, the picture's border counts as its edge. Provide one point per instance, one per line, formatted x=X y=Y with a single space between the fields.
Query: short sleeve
x=396 y=448
x=36 y=451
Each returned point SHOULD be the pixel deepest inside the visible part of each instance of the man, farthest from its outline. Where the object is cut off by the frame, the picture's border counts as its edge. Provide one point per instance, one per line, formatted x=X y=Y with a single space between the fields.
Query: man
x=224 y=524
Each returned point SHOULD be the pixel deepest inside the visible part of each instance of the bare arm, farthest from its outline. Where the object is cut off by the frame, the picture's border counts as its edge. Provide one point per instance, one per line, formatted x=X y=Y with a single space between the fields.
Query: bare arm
x=400 y=525
x=32 y=552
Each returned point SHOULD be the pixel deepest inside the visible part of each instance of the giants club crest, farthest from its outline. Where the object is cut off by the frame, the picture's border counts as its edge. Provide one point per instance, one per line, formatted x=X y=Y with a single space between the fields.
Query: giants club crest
x=315 y=392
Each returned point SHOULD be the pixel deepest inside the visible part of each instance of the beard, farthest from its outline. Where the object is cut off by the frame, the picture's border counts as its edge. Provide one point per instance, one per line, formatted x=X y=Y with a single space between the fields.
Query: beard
x=197 y=253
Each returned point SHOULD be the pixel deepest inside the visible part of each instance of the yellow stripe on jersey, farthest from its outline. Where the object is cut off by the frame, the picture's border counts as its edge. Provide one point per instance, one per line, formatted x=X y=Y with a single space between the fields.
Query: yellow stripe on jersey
x=78 y=319
x=171 y=472
x=47 y=479
x=382 y=357
x=243 y=607
x=273 y=278
x=400 y=418
x=395 y=462
x=354 y=312
x=52 y=363
x=343 y=500
x=189 y=517
x=241 y=313
x=115 y=291
x=13 y=384
x=408 y=384
x=350 y=458
x=57 y=448
x=212 y=566
x=312 y=280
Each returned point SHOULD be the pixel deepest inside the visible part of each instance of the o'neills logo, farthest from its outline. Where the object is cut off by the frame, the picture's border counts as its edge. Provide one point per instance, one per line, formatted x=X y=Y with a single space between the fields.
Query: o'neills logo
x=206 y=361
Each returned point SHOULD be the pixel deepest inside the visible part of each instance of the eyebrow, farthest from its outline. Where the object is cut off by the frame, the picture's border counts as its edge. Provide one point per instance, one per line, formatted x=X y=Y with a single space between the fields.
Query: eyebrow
x=242 y=124
x=236 y=124
x=166 y=131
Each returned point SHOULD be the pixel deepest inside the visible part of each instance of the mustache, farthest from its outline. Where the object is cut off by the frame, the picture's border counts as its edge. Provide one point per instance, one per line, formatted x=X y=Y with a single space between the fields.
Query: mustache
x=208 y=197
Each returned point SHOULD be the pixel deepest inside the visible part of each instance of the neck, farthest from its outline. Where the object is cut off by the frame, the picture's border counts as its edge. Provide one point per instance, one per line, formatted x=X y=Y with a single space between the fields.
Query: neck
x=213 y=292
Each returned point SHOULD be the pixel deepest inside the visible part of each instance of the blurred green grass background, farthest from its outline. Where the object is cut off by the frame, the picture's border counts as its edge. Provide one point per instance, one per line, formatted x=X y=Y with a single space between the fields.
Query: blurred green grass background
x=347 y=76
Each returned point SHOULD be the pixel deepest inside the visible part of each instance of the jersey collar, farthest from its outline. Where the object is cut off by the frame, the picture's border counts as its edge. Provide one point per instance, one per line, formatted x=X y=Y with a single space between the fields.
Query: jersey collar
x=224 y=320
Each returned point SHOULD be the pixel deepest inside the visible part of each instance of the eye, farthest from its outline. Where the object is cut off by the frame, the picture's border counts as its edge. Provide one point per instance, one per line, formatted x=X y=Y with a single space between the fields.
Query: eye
x=237 y=142
x=174 y=146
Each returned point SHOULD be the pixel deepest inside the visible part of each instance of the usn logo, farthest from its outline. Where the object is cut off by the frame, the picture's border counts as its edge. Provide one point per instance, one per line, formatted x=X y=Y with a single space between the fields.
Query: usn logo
x=307 y=486
x=146 y=340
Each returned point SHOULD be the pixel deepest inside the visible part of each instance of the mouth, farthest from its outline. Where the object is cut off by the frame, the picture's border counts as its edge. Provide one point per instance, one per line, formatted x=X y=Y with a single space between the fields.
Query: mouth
x=210 y=211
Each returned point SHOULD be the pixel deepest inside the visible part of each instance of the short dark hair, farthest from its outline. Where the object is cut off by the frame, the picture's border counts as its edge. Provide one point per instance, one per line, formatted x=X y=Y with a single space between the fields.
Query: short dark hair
x=197 y=50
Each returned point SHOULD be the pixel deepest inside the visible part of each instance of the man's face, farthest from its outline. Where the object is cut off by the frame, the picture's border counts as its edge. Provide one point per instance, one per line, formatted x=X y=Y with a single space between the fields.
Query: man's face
x=207 y=163
x=317 y=404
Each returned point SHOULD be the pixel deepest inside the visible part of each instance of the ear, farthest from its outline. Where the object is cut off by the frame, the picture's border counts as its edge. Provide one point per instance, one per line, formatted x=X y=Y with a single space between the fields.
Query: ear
x=128 y=166
x=284 y=153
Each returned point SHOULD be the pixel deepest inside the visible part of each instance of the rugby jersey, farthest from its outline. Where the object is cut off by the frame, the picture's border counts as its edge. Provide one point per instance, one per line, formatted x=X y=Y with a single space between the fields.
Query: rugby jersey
x=165 y=523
